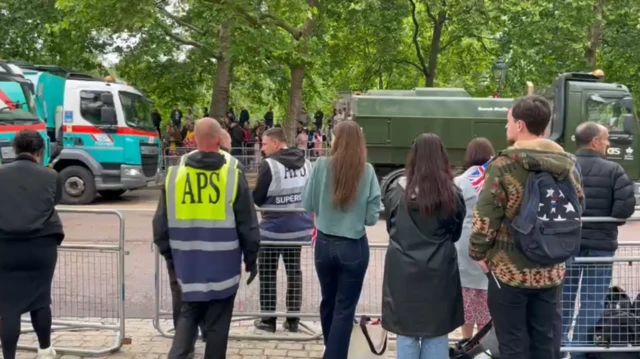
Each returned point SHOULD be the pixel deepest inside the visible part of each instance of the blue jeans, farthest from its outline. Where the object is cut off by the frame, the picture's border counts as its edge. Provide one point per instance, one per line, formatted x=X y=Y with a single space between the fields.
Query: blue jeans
x=596 y=279
x=341 y=264
x=423 y=348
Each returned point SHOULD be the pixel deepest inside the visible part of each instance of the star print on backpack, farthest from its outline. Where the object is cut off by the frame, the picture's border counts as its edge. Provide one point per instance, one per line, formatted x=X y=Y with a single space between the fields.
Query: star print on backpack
x=547 y=230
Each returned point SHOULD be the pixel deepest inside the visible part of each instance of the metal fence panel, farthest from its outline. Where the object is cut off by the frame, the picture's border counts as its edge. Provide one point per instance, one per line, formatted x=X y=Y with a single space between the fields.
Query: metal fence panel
x=624 y=272
x=88 y=291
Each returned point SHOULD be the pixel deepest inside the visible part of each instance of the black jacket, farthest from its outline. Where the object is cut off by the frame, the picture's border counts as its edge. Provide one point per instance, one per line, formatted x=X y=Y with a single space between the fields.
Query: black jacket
x=289 y=157
x=421 y=290
x=237 y=136
x=243 y=208
x=29 y=193
x=608 y=193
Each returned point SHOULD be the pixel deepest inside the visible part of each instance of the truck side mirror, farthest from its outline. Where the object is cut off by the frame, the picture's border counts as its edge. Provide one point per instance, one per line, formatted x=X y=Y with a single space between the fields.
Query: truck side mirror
x=108 y=116
x=627 y=102
x=629 y=124
x=107 y=99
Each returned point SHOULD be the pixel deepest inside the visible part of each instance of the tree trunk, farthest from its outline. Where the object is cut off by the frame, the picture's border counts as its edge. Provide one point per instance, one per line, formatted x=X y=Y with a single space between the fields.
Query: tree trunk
x=221 y=89
x=295 y=103
x=595 y=40
x=434 y=52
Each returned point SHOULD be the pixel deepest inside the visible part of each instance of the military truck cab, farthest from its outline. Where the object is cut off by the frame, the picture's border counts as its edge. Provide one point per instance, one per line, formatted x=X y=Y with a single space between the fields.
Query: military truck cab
x=577 y=98
x=392 y=119
x=102 y=131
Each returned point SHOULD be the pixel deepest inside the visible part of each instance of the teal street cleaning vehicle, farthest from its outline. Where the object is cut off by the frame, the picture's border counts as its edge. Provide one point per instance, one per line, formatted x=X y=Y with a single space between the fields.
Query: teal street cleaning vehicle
x=101 y=132
x=17 y=112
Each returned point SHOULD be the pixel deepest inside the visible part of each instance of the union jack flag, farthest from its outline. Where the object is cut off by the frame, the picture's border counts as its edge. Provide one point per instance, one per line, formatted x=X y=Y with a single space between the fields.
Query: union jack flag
x=477 y=177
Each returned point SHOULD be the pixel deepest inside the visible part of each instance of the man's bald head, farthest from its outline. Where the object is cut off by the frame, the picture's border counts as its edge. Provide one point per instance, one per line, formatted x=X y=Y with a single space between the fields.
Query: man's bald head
x=591 y=135
x=207 y=133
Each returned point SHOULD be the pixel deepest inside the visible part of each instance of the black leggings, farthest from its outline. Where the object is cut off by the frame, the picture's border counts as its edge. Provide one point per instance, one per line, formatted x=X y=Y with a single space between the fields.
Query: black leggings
x=10 y=331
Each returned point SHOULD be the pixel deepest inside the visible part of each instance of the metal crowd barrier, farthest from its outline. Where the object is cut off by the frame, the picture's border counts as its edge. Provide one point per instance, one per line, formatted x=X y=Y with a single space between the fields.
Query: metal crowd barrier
x=305 y=296
x=249 y=156
x=86 y=296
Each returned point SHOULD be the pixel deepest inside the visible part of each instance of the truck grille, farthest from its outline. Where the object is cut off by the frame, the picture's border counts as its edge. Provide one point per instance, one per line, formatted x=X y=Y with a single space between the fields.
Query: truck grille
x=149 y=159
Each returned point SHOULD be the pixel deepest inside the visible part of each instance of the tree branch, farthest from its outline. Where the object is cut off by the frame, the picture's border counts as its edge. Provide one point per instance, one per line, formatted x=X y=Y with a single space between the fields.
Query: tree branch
x=266 y=19
x=178 y=20
x=177 y=38
x=407 y=62
x=454 y=39
x=416 y=42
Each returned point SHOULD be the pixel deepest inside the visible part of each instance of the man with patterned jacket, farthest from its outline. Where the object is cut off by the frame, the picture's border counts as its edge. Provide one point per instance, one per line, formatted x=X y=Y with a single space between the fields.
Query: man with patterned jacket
x=523 y=296
x=281 y=180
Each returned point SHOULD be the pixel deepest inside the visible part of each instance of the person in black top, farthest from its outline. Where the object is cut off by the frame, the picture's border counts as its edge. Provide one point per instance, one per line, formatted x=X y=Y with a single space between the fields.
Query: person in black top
x=30 y=233
x=176 y=117
x=609 y=193
x=268 y=118
x=157 y=121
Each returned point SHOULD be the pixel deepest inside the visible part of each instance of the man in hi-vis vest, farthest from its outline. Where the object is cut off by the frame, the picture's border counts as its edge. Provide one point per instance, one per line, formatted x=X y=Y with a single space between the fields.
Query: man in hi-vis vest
x=204 y=225
x=281 y=180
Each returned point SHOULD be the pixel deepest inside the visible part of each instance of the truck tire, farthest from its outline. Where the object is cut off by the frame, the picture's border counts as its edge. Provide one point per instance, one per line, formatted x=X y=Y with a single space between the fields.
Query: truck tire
x=389 y=180
x=112 y=193
x=79 y=185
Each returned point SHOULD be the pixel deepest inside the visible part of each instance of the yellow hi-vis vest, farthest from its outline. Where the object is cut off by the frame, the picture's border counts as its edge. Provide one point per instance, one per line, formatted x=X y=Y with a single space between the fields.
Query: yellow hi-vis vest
x=202 y=230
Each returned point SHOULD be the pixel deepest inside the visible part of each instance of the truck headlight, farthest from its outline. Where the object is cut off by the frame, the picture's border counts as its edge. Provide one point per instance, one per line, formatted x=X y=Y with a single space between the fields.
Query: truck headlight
x=132 y=172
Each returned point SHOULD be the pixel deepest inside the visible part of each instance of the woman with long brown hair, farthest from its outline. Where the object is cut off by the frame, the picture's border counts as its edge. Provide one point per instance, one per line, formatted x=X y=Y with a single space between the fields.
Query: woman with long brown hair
x=344 y=194
x=425 y=211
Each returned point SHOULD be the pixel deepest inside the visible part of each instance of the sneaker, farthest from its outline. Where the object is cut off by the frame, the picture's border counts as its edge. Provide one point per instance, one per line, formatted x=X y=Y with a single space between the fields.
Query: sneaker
x=266 y=326
x=48 y=353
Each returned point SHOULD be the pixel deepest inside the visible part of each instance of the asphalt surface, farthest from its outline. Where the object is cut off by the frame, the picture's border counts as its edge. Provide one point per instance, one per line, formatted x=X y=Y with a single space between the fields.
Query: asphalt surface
x=86 y=282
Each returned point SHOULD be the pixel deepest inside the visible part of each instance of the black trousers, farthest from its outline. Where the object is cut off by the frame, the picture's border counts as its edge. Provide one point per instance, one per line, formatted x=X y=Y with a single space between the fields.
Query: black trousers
x=268 y=261
x=176 y=301
x=215 y=317
x=525 y=320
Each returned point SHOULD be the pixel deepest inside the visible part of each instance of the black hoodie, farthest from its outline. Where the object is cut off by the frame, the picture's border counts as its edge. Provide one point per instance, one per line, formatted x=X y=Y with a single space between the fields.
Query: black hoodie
x=244 y=211
x=292 y=158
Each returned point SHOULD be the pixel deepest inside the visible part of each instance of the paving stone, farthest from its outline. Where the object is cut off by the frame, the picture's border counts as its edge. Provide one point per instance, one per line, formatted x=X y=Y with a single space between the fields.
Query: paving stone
x=148 y=343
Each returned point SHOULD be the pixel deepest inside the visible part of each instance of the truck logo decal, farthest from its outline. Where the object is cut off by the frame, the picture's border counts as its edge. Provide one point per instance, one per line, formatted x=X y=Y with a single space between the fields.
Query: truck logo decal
x=613 y=151
x=102 y=139
x=629 y=154
x=493 y=109
x=68 y=117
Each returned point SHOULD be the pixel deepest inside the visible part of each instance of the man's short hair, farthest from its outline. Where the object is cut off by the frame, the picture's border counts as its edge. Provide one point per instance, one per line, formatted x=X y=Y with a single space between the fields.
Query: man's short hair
x=534 y=111
x=586 y=132
x=277 y=133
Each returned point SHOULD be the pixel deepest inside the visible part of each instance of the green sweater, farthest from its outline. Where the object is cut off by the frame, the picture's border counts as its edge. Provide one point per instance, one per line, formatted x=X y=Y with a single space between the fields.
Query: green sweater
x=318 y=198
x=501 y=197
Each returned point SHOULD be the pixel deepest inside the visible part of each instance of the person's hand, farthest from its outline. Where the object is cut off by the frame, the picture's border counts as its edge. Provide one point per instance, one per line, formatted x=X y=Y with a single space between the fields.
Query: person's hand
x=253 y=272
x=483 y=265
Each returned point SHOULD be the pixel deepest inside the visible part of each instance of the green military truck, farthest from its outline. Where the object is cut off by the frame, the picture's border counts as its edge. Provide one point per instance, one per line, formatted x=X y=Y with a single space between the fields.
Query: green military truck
x=392 y=119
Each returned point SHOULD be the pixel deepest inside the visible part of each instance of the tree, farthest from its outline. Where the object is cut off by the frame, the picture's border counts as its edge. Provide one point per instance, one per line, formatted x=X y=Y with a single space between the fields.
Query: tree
x=30 y=32
x=259 y=14
x=192 y=25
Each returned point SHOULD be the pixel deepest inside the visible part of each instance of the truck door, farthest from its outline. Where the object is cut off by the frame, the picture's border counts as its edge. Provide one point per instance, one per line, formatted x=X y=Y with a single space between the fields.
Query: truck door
x=98 y=138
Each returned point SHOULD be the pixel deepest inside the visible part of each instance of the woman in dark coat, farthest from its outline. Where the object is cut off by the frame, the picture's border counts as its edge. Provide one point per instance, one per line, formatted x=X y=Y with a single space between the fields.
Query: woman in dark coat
x=422 y=297
x=30 y=232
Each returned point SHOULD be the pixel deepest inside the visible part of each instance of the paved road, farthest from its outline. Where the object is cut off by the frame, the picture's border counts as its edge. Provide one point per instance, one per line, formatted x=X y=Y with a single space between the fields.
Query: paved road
x=86 y=284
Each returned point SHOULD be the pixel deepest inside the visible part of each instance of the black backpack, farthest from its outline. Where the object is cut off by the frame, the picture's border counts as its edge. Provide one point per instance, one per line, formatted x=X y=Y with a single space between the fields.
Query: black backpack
x=619 y=325
x=547 y=230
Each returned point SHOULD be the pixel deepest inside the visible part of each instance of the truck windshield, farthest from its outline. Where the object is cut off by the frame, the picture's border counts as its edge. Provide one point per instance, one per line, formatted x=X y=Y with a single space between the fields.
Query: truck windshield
x=137 y=110
x=609 y=112
x=16 y=102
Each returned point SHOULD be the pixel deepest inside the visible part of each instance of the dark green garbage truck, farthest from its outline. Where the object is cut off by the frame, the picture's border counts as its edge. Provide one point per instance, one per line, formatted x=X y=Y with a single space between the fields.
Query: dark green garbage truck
x=391 y=120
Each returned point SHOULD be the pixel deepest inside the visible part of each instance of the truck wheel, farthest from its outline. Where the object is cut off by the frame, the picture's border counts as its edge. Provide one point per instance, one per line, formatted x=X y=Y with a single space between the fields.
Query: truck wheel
x=389 y=180
x=79 y=186
x=111 y=194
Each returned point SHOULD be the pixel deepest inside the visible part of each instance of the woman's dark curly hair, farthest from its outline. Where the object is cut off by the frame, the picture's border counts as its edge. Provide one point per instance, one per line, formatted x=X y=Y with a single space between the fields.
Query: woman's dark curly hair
x=28 y=141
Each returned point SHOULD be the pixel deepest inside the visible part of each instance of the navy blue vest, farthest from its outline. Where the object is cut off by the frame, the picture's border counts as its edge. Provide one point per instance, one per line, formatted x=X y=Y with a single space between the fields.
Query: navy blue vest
x=285 y=191
x=202 y=230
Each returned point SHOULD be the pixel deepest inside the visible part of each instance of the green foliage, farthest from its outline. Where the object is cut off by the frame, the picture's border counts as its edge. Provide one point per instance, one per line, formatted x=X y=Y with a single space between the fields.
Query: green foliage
x=356 y=45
